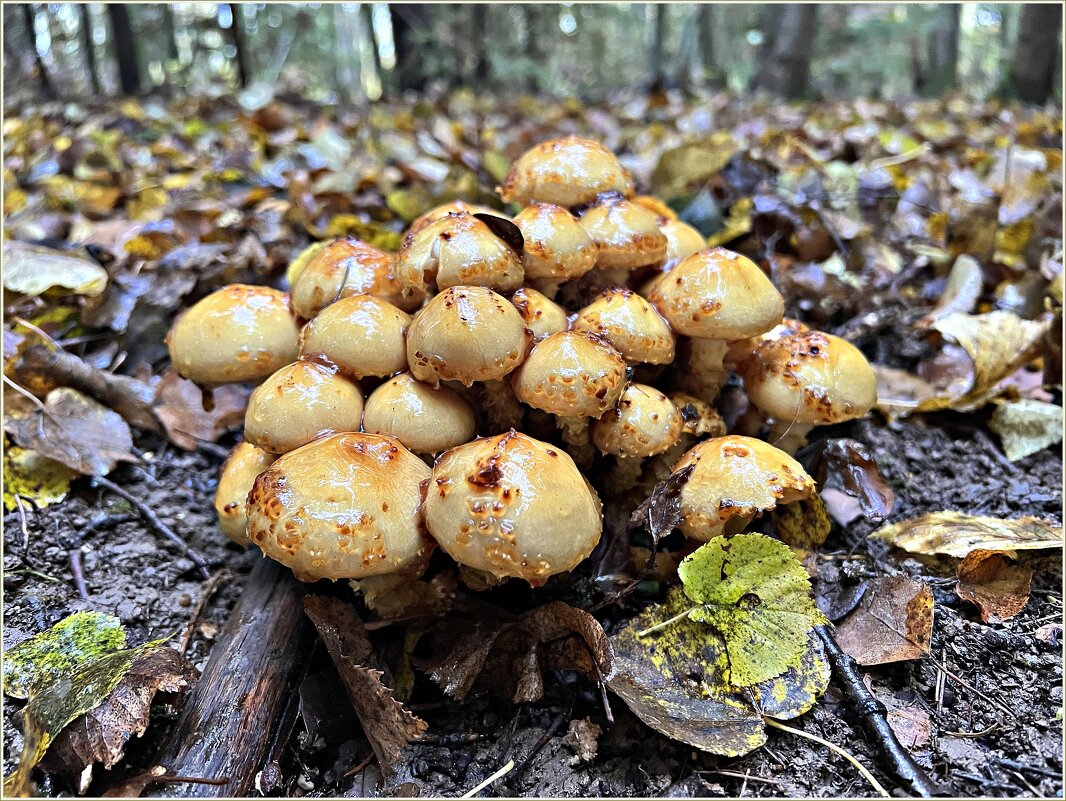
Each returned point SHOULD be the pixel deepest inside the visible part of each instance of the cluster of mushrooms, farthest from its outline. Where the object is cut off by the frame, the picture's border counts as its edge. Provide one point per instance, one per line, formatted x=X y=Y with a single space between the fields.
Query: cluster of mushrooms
x=469 y=390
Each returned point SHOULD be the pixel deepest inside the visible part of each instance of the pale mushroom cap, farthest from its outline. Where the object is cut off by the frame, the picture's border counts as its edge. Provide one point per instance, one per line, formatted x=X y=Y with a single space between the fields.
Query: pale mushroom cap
x=345 y=267
x=568 y=172
x=645 y=422
x=557 y=247
x=656 y=206
x=243 y=464
x=717 y=294
x=630 y=324
x=542 y=316
x=682 y=240
x=362 y=335
x=810 y=377
x=443 y=210
x=425 y=419
x=736 y=477
x=466 y=334
x=343 y=507
x=741 y=350
x=625 y=233
x=458 y=250
x=571 y=374
x=239 y=333
x=299 y=403
x=513 y=506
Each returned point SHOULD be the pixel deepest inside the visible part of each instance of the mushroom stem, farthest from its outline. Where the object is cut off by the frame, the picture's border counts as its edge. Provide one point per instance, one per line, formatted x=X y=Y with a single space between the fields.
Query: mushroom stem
x=788 y=435
x=575 y=432
x=624 y=475
x=479 y=580
x=501 y=406
x=703 y=372
x=548 y=287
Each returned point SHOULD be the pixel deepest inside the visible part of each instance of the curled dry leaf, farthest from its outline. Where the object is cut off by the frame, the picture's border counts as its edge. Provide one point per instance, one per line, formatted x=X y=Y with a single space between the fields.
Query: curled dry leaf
x=956 y=534
x=911 y=725
x=661 y=512
x=991 y=582
x=179 y=405
x=893 y=622
x=1027 y=426
x=859 y=473
x=33 y=270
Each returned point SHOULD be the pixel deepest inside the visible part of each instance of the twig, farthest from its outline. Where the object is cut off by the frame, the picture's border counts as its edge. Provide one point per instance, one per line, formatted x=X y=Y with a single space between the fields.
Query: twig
x=208 y=590
x=21 y=390
x=814 y=737
x=78 y=572
x=497 y=775
x=998 y=704
x=748 y=777
x=1010 y=763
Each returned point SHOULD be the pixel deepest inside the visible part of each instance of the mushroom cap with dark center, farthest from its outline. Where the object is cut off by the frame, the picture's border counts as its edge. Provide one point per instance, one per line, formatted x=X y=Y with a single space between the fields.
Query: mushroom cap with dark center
x=362 y=335
x=557 y=247
x=542 y=316
x=645 y=422
x=571 y=374
x=568 y=172
x=345 y=267
x=625 y=233
x=426 y=419
x=630 y=324
x=244 y=463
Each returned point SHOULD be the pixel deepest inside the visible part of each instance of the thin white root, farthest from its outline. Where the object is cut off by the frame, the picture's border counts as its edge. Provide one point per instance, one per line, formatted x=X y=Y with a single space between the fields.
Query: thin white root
x=578 y=440
x=494 y=777
x=808 y=736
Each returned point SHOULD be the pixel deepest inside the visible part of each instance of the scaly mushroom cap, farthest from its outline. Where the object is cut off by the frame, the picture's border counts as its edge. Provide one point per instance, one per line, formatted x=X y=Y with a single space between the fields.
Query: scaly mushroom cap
x=699 y=417
x=717 y=294
x=343 y=507
x=810 y=377
x=655 y=206
x=625 y=233
x=239 y=333
x=743 y=350
x=735 y=478
x=299 y=403
x=513 y=506
x=645 y=422
x=571 y=374
x=243 y=464
x=361 y=335
x=442 y=211
x=425 y=419
x=347 y=267
x=466 y=334
x=630 y=324
x=542 y=316
x=458 y=250
x=682 y=240
x=557 y=247
x=568 y=172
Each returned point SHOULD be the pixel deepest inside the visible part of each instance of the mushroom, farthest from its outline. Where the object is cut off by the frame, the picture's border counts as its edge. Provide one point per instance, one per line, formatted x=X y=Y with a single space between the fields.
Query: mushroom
x=568 y=172
x=644 y=423
x=426 y=419
x=625 y=233
x=443 y=210
x=346 y=506
x=243 y=464
x=557 y=247
x=300 y=402
x=656 y=206
x=541 y=315
x=749 y=420
x=682 y=240
x=513 y=506
x=362 y=335
x=630 y=324
x=732 y=480
x=698 y=419
x=808 y=379
x=239 y=333
x=575 y=376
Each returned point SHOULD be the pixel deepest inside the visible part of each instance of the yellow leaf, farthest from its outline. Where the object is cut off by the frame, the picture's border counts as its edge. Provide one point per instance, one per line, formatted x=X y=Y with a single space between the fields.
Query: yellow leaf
x=148 y=204
x=956 y=534
x=36 y=478
x=1027 y=426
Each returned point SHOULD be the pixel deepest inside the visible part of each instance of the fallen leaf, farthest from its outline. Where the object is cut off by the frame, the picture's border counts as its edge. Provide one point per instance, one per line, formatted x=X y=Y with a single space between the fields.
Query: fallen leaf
x=802 y=525
x=661 y=512
x=893 y=622
x=861 y=477
x=956 y=534
x=692 y=164
x=911 y=725
x=179 y=405
x=991 y=582
x=1027 y=426
x=33 y=270
x=838 y=598
x=36 y=478
x=962 y=289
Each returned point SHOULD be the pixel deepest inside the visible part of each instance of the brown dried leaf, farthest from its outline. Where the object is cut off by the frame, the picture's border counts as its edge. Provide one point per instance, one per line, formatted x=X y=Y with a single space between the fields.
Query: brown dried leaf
x=957 y=534
x=506 y=230
x=893 y=622
x=911 y=725
x=991 y=582
x=853 y=462
x=661 y=512
x=179 y=405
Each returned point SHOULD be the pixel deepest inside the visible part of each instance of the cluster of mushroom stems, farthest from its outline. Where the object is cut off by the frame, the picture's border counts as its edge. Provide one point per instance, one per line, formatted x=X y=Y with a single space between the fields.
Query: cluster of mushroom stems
x=461 y=392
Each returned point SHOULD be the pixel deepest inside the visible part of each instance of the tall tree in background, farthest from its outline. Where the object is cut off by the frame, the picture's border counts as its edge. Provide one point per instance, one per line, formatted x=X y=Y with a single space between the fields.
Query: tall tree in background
x=940 y=72
x=89 y=51
x=705 y=28
x=129 y=71
x=29 y=14
x=1032 y=70
x=656 y=70
x=235 y=34
x=788 y=40
x=478 y=43
x=409 y=21
x=170 y=39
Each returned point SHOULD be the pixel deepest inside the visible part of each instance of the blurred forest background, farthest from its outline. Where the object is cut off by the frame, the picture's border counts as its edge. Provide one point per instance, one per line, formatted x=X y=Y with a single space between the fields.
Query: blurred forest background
x=352 y=53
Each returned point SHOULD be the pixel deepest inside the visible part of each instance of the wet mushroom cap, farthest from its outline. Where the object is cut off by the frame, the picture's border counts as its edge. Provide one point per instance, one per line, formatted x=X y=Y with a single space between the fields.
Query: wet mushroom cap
x=361 y=335
x=645 y=422
x=571 y=374
x=682 y=240
x=343 y=507
x=345 y=267
x=542 y=316
x=699 y=416
x=655 y=206
x=557 y=247
x=466 y=334
x=443 y=210
x=299 y=403
x=742 y=350
x=239 y=333
x=625 y=233
x=243 y=464
x=425 y=419
x=630 y=324
x=513 y=506
x=736 y=477
x=568 y=172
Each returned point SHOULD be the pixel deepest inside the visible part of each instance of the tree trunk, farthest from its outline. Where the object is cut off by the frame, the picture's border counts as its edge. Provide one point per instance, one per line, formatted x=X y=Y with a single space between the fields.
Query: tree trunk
x=479 y=72
x=408 y=19
x=1032 y=70
x=88 y=48
x=656 y=72
x=170 y=41
x=236 y=36
x=29 y=16
x=769 y=25
x=788 y=67
x=942 y=59
x=705 y=27
x=129 y=71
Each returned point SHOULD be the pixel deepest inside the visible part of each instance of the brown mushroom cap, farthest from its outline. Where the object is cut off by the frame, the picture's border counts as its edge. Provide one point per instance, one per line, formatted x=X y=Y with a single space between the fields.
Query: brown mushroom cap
x=466 y=334
x=513 y=506
x=243 y=464
x=682 y=240
x=362 y=335
x=557 y=247
x=742 y=350
x=568 y=172
x=571 y=374
x=443 y=210
x=630 y=324
x=542 y=316
x=717 y=294
x=735 y=478
x=342 y=507
x=625 y=233
x=425 y=419
x=346 y=267
x=299 y=403
x=810 y=377
x=699 y=417
x=239 y=333
x=645 y=422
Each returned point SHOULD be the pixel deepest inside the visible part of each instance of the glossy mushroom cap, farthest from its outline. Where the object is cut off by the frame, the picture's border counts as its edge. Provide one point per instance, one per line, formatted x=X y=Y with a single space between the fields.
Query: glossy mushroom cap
x=466 y=334
x=239 y=333
x=655 y=206
x=513 y=506
x=625 y=233
x=299 y=403
x=630 y=324
x=343 y=507
x=361 y=335
x=443 y=210
x=717 y=294
x=346 y=267
x=733 y=479
x=542 y=316
x=243 y=464
x=426 y=419
x=568 y=172
x=557 y=247
x=682 y=240
x=458 y=250
x=699 y=417
x=571 y=374
x=645 y=422
x=742 y=350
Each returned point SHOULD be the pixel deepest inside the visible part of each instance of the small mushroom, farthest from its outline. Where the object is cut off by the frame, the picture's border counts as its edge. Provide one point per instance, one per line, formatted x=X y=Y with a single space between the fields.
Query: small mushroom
x=656 y=206
x=567 y=172
x=299 y=403
x=346 y=506
x=443 y=210
x=557 y=247
x=513 y=506
x=243 y=464
x=426 y=419
x=630 y=324
x=362 y=335
x=732 y=480
x=682 y=240
x=699 y=419
x=644 y=423
x=542 y=316
x=346 y=267
x=625 y=233
x=239 y=333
